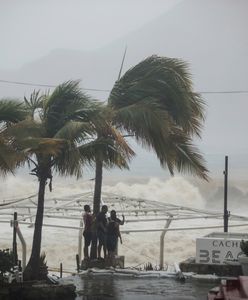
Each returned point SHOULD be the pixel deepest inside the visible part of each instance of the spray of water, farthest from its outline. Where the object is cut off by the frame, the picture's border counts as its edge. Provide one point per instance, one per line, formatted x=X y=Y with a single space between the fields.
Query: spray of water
x=61 y=245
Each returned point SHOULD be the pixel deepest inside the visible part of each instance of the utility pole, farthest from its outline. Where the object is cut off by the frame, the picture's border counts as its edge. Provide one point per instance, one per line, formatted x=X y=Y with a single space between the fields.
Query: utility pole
x=226 y=214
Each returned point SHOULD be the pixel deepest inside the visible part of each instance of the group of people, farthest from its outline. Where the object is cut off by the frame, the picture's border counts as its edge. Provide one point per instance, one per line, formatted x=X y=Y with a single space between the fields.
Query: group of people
x=102 y=231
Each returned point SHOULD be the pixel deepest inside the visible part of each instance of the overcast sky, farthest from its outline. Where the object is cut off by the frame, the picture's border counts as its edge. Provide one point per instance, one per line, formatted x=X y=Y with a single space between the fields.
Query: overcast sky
x=31 y=28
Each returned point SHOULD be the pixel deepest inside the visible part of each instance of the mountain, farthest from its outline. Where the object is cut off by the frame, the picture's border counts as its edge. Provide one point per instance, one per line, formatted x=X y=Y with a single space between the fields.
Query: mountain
x=210 y=35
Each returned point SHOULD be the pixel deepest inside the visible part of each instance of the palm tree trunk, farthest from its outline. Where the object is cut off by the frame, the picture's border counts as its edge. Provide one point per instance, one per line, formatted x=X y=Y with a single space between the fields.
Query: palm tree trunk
x=96 y=205
x=98 y=187
x=31 y=272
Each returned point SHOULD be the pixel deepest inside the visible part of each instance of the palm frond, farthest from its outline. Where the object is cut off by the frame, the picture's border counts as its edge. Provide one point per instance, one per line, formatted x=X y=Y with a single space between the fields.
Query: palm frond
x=107 y=151
x=34 y=103
x=10 y=159
x=43 y=146
x=75 y=131
x=67 y=102
x=25 y=129
x=167 y=81
x=11 y=111
x=145 y=121
x=69 y=161
x=178 y=152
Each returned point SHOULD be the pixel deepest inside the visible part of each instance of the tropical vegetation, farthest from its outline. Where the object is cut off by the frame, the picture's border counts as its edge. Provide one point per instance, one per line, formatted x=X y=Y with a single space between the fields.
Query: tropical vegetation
x=6 y=263
x=61 y=132
x=11 y=112
x=154 y=102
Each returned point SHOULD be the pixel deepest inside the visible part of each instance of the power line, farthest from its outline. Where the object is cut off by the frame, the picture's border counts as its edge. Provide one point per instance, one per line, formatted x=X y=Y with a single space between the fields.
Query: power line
x=46 y=85
x=106 y=90
x=224 y=92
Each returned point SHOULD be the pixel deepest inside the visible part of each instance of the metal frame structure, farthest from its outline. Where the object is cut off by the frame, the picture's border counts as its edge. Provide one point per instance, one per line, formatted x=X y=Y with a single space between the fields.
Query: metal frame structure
x=135 y=210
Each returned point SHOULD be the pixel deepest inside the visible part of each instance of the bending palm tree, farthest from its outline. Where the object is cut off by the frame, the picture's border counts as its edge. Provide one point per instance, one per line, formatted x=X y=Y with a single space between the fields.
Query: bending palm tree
x=155 y=103
x=50 y=139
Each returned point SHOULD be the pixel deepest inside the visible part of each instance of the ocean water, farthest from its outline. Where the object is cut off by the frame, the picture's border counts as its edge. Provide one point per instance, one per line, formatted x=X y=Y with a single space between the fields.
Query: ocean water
x=144 y=181
x=61 y=245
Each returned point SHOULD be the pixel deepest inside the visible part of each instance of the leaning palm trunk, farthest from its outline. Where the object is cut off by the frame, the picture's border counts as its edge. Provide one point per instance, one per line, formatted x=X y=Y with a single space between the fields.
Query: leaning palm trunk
x=98 y=186
x=57 y=123
x=32 y=271
x=96 y=204
x=155 y=102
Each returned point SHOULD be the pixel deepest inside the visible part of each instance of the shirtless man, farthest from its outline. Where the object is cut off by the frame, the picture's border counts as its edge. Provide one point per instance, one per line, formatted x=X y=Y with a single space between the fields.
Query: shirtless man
x=87 y=218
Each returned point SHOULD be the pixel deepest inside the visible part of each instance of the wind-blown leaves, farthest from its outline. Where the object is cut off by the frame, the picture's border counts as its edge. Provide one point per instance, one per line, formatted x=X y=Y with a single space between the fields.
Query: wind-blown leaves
x=179 y=153
x=10 y=159
x=66 y=118
x=155 y=102
x=35 y=102
x=75 y=131
x=11 y=111
x=108 y=151
x=25 y=129
x=167 y=81
x=66 y=103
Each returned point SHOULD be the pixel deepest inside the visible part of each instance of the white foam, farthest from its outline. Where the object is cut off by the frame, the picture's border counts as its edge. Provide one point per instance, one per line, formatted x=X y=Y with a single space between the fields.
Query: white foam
x=175 y=190
x=61 y=245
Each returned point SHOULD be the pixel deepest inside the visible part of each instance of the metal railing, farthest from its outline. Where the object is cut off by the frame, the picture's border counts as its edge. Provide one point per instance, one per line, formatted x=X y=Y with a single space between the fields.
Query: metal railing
x=167 y=213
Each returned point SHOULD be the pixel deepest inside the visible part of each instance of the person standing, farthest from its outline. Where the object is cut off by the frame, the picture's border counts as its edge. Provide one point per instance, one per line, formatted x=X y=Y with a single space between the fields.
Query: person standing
x=87 y=233
x=101 y=221
x=113 y=233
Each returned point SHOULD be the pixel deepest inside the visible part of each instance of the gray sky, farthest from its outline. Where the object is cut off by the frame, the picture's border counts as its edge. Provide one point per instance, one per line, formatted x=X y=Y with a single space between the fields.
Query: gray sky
x=32 y=28
x=210 y=35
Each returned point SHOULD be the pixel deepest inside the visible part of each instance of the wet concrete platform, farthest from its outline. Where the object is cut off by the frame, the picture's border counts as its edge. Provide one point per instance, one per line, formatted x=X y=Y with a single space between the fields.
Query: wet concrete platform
x=222 y=270
x=106 y=288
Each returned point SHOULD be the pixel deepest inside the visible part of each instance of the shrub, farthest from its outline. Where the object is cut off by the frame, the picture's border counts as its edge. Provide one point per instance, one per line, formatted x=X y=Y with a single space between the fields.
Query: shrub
x=244 y=247
x=6 y=262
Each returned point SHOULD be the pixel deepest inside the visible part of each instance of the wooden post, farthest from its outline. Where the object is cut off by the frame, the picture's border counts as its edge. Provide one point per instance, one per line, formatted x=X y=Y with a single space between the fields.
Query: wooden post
x=60 y=270
x=78 y=263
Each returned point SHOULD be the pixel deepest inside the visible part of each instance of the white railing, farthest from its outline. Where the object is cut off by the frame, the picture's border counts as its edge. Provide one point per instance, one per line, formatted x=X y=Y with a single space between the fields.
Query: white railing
x=163 y=212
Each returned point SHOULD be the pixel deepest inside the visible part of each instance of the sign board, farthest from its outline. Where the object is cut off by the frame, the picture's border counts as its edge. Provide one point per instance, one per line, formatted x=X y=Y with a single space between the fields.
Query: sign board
x=217 y=250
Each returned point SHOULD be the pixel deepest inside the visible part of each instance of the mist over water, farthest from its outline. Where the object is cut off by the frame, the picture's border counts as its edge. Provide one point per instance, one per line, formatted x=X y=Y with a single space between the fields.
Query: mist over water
x=61 y=245
x=224 y=132
x=175 y=190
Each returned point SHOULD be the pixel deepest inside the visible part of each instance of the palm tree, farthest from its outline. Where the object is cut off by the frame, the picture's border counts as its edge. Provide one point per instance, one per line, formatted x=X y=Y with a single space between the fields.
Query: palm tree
x=54 y=138
x=110 y=149
x=11 y=111
x=155 y=103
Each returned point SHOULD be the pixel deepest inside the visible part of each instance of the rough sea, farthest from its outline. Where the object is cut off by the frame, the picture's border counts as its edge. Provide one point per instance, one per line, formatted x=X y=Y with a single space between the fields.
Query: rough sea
x=144 y=181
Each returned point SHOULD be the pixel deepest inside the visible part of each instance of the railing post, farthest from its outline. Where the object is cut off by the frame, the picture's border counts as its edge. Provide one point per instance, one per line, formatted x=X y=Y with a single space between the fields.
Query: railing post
x=14 y=239
x=60 y=270
x=80 y=236
x=24 y=246
x=31 y=219
x=161 y=258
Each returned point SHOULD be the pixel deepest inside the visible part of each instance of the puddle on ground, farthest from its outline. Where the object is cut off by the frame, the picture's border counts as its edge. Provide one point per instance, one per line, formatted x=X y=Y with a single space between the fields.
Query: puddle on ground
x=106 y=288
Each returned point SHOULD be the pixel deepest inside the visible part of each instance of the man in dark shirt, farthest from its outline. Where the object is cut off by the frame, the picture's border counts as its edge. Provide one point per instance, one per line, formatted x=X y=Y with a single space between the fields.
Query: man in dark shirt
x=102 y=222
x=113 y=233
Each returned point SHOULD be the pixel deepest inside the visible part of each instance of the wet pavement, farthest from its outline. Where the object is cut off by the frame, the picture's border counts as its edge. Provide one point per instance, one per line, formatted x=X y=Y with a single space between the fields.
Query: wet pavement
x=105 y=288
